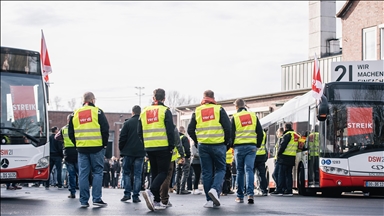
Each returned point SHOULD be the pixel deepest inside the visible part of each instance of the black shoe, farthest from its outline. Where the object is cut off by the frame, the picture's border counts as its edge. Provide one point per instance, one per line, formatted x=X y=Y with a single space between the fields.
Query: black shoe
x=72 y=196
x=250 y=201
x=85 y=205
x=177 y=192
x=286 y=193
x=136 y=200
x=125 y=198
x=100 y=203
x=275 y=193
x=185 y=192
x=231 y=192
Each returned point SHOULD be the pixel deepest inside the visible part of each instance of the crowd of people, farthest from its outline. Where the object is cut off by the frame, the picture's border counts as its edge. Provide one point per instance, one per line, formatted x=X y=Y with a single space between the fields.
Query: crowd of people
x=157 y=158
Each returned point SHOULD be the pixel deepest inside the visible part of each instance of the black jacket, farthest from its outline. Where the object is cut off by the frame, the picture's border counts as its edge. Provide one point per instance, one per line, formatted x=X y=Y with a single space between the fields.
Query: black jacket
x=55 y=146
x=224 y=121
x=186 y=145
x=258 y=130
x=104 y=129
x=169 y=127
x=285 y=159
x=129 y=142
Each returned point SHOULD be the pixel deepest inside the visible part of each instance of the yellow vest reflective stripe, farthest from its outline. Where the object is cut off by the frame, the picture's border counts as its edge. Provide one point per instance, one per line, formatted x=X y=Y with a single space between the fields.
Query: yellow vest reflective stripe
x=245 y=123
x=208 y=127
x=148 y=167
x=261 y=150
x=86 y=126
x=174 y=154
x=67 y=142
x=292 y=145
x=229 y=156
x=277 y=147
x=314 y=144
x=154 y=132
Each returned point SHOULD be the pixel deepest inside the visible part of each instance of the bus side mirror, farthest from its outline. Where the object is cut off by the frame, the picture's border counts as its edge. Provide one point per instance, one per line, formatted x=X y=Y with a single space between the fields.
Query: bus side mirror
x=322 y=109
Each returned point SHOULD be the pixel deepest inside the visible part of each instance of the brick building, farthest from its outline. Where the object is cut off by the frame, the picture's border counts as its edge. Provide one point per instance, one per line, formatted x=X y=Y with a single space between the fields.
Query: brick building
x=362 y=30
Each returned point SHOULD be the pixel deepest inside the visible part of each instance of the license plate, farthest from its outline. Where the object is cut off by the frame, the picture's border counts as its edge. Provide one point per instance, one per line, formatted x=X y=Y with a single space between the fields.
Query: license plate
x=374 y=184
x=8 y=175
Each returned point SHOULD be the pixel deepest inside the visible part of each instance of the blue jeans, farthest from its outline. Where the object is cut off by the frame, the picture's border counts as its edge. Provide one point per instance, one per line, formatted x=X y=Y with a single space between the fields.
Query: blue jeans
x=88 y=162
x=245 y=156
x=212 y=160
x=285 y=179
x=73 y=170
x=57 y=162
x=137 y=164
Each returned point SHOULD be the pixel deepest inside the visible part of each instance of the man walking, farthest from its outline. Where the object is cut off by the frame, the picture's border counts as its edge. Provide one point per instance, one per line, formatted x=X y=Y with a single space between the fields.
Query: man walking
x=259 y=169
x=184 y=164
x=89 y=131
x=247 y=137
x=133 y=153
x=70 y=158
x=209 y=128
x=156 y=130
x=55 y=158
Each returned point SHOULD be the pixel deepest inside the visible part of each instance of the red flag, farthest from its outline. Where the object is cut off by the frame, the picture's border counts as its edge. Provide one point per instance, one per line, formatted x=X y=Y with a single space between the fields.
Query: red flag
x=317 y=85
x=46 y=64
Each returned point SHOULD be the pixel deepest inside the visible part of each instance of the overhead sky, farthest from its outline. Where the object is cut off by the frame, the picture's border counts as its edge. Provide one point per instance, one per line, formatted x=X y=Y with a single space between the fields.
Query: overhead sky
x=235 y=48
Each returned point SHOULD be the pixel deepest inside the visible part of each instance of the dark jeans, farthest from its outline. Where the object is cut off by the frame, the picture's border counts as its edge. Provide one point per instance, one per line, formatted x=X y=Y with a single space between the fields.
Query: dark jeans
x=106 y=179
x=55 y=161
x=227 y=179
x=285 y=176
x=197 y=171
x=260 y=166
x=189 y=180
x=160 y=161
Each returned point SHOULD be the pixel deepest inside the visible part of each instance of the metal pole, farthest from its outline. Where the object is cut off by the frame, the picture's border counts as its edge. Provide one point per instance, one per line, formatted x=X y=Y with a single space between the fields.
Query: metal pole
x=140 y=94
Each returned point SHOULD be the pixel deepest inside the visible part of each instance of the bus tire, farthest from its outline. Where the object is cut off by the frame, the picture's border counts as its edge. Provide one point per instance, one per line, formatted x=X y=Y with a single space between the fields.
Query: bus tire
x=301 y=186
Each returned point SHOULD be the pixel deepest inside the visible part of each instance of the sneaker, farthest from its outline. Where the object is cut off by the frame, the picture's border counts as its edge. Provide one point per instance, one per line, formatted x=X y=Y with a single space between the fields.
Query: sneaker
x=169 y=204
x=208 y=204
x=215 y=198
x=185 y=192
x=136 y=200
x=125 y=198
x=264 y=194
x=148 y=197
x=100 y=203
x=196 y=192
x=85 y=205
x=231 y=192
x=275 y=193
x=287 y=194
x=60 y=187
x=159 y=206
x=250 y=200
x=239 y=200
x=71 y=196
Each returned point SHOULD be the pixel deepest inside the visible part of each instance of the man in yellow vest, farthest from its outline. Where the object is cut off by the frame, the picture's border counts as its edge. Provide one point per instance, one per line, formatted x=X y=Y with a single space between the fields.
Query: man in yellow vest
x=88 y=130
x=275 y=174
x=70 y=158
x=156 y=130
x=286 y=157
x=209 y=129
x=261 y=158
x=313 y=163
x=227 y=185
x=184 y=164
x=247 y=136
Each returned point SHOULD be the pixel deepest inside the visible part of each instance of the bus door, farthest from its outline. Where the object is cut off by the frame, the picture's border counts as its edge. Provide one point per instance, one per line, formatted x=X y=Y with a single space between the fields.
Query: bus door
x=313 y=148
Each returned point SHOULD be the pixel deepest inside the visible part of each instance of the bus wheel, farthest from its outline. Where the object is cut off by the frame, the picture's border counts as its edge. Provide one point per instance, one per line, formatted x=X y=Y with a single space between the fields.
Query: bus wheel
x=301 y=186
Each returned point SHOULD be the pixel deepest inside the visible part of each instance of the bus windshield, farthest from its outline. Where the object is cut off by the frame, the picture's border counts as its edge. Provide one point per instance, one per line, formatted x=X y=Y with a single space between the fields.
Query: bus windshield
x=23 y=114
x=353 y=127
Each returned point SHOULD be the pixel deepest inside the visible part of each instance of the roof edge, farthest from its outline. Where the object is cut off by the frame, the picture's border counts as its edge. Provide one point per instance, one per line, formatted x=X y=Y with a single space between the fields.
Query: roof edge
x=344 y=9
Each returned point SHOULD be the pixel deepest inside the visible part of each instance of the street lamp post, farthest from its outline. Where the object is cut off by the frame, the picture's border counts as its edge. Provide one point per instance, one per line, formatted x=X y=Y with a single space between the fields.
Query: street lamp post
x=139 y=94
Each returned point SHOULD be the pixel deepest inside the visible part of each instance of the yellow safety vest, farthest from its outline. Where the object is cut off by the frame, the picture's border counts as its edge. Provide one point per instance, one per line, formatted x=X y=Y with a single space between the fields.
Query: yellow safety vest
x=314 y=144
x=208 y=127
x=291 y=148
x=154 y=132
x=277 y=147
x=86 y=126
x=261 y=150
x=178 y=153
x=229 y=156
x=245 y=123
x=148 y=167
x=67 y=142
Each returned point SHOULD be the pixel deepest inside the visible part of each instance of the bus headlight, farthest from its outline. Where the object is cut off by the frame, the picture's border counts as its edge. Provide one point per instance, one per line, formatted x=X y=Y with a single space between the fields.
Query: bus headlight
x=42 y=163
x=334 y=170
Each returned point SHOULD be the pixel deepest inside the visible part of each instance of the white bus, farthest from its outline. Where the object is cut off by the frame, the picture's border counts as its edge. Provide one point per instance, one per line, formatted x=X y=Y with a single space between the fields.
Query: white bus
x=343 y=139
x=24 y=118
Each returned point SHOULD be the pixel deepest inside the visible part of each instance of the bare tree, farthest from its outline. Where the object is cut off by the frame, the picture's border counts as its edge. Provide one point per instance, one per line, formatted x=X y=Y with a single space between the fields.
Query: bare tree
x=175 y=99
x=57 y=101
x=72 y=104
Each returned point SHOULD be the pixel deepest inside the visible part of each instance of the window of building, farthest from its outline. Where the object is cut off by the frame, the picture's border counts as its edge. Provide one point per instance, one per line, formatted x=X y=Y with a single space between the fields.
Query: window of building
x=369 y=44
